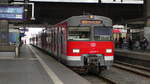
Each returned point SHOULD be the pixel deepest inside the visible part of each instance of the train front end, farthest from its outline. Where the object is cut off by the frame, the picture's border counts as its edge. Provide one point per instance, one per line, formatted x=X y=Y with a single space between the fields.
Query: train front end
x=90 y=44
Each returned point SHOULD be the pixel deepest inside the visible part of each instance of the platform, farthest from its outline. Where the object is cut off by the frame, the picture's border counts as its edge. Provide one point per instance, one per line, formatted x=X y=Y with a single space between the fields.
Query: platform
x=138 y=57
x=137 y=54
x=35 y=67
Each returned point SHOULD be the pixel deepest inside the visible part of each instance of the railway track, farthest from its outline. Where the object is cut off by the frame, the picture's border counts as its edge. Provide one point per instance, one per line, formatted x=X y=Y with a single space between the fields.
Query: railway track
x=140 y=70
x=107 y=79
x=120 y=74
x=97 y=79
x=134 y=66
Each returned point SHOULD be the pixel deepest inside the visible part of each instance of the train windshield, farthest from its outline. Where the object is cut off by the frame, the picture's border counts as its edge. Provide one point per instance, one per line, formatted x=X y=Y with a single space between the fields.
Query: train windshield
x=102 y=33
x=79 y=33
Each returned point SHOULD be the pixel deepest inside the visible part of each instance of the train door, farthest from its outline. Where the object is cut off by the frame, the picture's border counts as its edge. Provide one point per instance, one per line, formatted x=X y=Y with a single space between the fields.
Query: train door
x=64 y=41
x=53 y=40
x=50 y=40
x=59 y=43
x=55 y=47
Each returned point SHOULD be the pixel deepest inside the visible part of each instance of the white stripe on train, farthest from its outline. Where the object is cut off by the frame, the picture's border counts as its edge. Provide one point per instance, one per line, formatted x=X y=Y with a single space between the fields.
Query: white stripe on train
x=78 y=58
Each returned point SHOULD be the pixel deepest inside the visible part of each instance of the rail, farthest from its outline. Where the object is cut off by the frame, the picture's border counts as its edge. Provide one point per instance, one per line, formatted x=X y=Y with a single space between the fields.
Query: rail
x=137 y=70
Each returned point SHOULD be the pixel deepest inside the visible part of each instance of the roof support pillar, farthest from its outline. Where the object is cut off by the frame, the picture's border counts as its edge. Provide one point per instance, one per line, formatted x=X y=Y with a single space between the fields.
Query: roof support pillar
x=147 y=22
x=147 y=11
x=4 y=29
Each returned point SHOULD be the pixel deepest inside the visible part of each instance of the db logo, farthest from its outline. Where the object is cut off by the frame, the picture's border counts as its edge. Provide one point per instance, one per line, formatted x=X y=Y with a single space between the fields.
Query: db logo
x=93 y=44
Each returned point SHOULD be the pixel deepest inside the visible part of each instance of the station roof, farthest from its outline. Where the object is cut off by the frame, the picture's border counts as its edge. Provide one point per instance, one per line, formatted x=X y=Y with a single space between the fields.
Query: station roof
x=53 y=12
x=138 y=22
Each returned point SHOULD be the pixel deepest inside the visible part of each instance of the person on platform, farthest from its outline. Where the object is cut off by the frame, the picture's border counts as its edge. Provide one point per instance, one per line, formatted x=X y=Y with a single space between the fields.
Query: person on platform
x=120 y=42
x=144 y=43
x=130 y=44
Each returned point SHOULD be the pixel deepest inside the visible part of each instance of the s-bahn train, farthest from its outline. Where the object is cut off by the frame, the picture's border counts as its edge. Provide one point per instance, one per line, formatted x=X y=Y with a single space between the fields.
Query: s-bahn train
x=80 y=41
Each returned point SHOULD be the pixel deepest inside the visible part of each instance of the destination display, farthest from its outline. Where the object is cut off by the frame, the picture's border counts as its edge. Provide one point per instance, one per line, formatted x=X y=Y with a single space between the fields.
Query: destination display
x=91 y=21
x=12 y=12
x=78 y=1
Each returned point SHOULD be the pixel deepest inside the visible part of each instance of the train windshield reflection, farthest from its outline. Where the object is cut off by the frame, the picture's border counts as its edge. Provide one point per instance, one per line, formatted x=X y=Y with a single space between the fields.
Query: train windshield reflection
x=102 y=33
x=79 y=33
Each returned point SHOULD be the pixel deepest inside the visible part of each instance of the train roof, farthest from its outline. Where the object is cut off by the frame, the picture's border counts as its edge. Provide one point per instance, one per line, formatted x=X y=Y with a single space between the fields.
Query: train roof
x=88 y=16
x=74 y=19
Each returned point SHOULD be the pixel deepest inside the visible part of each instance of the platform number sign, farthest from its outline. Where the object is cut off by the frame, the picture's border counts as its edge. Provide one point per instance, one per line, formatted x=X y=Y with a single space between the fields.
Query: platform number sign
x=12 y=12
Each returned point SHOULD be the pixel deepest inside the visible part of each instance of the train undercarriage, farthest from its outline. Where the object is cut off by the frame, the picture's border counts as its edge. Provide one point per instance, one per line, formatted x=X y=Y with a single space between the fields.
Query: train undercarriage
x=92 y=63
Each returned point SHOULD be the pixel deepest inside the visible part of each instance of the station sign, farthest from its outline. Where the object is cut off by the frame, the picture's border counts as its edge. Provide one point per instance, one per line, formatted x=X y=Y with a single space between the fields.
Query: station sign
x=76 y=1
x=24 y=30
x=18 y=0
x=22 y=34
x=12 y=12
x=123 y=1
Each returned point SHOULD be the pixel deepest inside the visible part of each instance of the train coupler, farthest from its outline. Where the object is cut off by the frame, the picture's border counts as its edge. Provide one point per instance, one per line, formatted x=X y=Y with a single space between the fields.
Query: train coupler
x=96 y=59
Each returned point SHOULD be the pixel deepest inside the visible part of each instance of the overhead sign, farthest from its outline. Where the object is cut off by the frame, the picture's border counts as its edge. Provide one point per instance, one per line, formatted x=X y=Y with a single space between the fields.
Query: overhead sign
x=123 y=1
x=18 y=0
x=12 y=12
x=24 y=30
x=78 y=1
x=22 y=34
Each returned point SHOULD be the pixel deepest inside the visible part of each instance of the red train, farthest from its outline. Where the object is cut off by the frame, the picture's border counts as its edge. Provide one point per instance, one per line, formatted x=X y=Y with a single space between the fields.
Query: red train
x=80 y=41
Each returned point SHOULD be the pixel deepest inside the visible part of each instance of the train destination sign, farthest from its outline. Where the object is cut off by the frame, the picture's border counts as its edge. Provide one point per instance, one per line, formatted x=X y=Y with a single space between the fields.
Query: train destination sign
x=91 y=21
x=12 y=12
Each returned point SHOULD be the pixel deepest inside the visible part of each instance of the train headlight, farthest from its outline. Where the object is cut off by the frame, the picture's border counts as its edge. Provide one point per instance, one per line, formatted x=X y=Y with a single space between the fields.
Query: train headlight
x=108 y=50
x=76 y=50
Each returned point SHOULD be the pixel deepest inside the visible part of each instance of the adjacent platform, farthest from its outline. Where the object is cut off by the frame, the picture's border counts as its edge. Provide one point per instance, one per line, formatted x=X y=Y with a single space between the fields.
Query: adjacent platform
x=35 y=67
x=138 y=57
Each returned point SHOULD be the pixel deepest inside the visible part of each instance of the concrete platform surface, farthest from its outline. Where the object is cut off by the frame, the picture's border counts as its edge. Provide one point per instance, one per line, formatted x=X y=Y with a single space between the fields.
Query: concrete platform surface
x=23 y=72
x=36 y=67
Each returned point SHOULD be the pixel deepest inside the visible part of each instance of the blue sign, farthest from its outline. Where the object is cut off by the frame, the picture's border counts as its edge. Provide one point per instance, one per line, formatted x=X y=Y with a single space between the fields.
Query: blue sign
x=12 y=12
x=22 y=34
x=24 y=30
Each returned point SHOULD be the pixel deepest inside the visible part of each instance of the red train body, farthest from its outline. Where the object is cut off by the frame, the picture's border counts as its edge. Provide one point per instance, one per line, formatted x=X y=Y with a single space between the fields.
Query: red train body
x=80 y=41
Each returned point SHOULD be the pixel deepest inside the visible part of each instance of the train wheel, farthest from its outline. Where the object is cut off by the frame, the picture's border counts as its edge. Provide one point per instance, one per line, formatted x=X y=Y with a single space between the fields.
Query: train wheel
x=98 y=68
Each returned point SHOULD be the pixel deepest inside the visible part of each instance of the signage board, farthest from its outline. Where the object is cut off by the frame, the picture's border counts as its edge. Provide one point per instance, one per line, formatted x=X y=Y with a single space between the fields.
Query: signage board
x=24 y=30
x=12 y=12
x=123 y=1
x=22 y=34
x=76 y=1
x=18 y=0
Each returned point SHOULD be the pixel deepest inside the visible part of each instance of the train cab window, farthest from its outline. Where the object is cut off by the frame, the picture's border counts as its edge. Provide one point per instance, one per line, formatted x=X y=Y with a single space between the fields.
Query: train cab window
x=102 y=33
x=79 y=33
